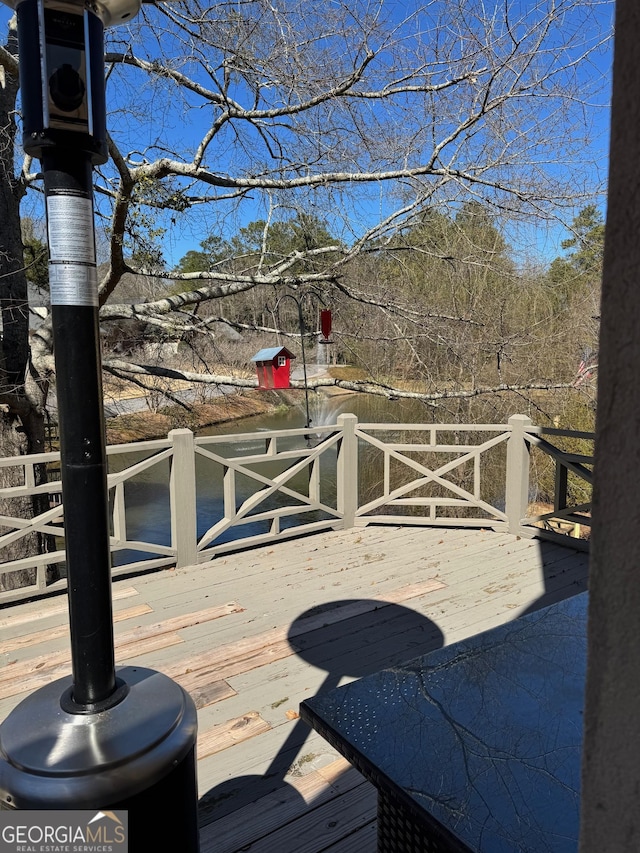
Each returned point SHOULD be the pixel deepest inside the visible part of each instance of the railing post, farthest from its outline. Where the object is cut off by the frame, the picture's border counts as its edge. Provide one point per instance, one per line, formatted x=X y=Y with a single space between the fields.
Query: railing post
x=347 y=472
x=517 y=480
x=182 y=491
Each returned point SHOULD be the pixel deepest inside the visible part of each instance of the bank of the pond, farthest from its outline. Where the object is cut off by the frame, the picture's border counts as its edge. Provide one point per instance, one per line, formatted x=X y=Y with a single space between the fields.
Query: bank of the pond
x=145 y=425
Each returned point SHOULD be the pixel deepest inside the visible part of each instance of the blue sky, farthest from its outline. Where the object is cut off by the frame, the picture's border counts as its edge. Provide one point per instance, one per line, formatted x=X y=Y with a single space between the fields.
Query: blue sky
x=169 y=123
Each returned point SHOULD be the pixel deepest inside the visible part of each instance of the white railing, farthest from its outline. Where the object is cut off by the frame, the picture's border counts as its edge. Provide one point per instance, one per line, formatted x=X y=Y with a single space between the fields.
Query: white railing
x=270 y=485
x=413 y=475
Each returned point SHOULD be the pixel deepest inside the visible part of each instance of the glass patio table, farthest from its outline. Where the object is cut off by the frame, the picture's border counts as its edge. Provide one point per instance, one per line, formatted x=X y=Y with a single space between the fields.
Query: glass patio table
x=475 y=746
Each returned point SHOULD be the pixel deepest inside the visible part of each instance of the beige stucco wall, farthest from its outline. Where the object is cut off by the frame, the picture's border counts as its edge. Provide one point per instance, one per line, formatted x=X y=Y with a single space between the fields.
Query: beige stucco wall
x=611 y=767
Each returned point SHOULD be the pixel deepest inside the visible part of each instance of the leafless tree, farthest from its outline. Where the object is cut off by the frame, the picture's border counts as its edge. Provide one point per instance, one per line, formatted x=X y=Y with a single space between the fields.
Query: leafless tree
x=348 y=113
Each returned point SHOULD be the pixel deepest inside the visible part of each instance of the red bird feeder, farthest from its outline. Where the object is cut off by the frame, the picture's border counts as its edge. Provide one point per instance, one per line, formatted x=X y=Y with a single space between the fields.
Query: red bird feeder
x=325 y=325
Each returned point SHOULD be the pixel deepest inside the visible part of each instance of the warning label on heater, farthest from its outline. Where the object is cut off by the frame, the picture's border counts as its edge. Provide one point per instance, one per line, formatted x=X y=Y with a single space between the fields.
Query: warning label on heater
x=73 y=284
x=70 y=227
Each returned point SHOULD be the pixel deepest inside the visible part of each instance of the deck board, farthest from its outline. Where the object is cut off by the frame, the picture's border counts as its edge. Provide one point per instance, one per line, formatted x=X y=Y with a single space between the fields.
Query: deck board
x=252 y=634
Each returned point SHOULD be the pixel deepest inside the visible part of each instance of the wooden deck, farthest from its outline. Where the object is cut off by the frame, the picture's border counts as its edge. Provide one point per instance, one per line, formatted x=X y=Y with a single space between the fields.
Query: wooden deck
x=252 y=634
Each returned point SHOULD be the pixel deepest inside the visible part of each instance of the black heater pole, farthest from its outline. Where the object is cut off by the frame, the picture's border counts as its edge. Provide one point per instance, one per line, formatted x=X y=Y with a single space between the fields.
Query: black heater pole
x=74 y=311
x=104 y=738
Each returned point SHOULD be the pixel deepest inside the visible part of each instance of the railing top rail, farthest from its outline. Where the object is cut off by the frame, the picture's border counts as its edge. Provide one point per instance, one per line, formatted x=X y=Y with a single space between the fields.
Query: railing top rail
x=133 y=446
x=268 y=433
x=31 y=459
x=112 y=449
x=438 y=427
x=320 y=429
x=561 y=433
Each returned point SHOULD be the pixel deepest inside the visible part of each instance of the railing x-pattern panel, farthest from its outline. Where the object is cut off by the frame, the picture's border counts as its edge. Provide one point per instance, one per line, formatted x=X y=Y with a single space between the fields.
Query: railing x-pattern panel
x=297 y=487
x=399 y=492
x=49 y=523
x=25 y=471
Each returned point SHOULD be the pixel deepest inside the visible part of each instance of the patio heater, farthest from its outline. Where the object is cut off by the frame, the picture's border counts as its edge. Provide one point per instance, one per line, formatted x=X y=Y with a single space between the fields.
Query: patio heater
x=103 y=738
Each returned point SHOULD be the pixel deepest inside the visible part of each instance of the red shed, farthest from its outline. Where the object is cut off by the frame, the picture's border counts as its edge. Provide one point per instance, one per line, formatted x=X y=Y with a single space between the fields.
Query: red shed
x=273 y=366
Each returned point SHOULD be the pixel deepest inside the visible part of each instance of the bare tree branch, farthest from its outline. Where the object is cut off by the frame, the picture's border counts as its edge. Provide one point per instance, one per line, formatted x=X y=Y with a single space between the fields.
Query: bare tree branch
x=119 y=367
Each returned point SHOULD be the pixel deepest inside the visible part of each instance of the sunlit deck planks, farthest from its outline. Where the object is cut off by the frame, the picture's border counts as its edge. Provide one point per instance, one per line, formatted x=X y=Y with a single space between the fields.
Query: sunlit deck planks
x=252 y=634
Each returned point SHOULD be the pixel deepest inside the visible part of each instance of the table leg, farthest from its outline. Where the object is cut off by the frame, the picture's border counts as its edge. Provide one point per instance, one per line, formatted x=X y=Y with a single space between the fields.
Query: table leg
x=400 y=831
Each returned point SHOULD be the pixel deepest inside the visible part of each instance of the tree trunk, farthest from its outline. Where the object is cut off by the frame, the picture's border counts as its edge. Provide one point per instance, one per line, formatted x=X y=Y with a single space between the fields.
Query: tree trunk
x=21 y=410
